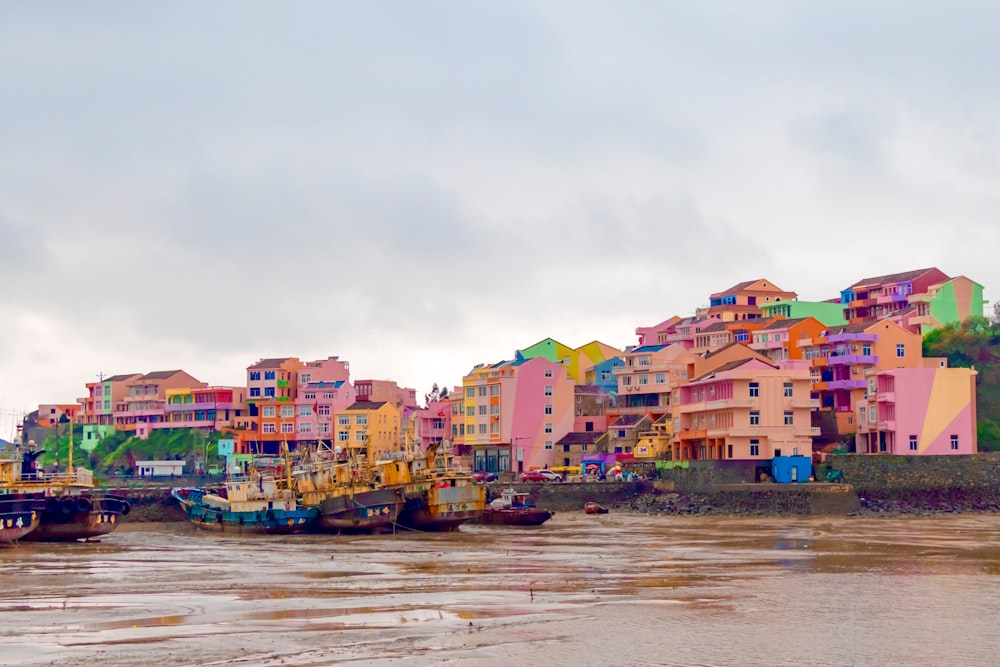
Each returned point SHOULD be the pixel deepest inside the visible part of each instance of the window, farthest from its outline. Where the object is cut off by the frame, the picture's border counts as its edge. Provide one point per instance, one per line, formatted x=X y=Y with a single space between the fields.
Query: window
x=621 y=433
x=255 y=375
x=754 y=418
x=359 y=436
x=954 y=442
x=754 y=390
x=583 y=448
x=267 y=411
x=287 y=410
x=900 y=350
x=323 y=410
x=866 y=349
x=913 y=443
x=343 y=420
x=494 y=428
x=305 y=410
x=788 y=390
x=548 y=427
x=548 y=444
x=605 y=376
x=644 y=378
x=482 y=429
x=324 y=427
x=548 y=390
x=548 y=373
x=495 y=410
x=548 y=409
x=789 y=418
x=871 y=413
x=470 y=411
x=755 y=448
x=494 y=390
x=729 y=451
x=343 y=436
x=254 y=392
x=626 y=380
x=288 y=427
x=268 y=375
x=482 y=410
x=269 y=391
x=661 y=378
x=361 y=420
x=482 y=390
x=470 y=392
x=267 y=428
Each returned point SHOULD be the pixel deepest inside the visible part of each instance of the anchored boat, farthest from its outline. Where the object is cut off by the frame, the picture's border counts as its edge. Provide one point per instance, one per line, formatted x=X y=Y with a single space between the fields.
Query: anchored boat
x=67 y=505
x=513 y=508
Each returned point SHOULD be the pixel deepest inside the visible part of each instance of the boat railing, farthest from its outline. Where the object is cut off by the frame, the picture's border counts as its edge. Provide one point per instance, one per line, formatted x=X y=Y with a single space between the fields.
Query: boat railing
x=79 y=476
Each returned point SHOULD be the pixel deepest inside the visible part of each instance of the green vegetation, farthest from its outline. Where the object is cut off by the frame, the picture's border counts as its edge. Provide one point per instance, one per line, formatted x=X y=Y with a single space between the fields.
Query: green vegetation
x=120 y=451
x=975 y=342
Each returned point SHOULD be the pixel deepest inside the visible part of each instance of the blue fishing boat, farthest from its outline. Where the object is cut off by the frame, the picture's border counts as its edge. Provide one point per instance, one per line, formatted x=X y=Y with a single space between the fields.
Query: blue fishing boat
x=248 y=504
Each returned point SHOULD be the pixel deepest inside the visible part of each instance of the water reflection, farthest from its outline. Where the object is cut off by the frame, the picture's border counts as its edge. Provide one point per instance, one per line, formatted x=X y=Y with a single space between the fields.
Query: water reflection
x=626 y=590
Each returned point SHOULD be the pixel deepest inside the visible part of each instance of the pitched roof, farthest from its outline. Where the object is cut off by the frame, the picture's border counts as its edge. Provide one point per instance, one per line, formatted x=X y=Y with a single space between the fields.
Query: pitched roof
x=714 y=326
x=730 y=366
x=323 y=384
x=588 y=389
x=892 y=278
x=723 y=348
x=737 y=287
x=784 y=324
x=628 y=420
x=160 y=375
x=367 y=405
x=649 y=348
x=269 y=363
x=580 y=438
x=122 y=377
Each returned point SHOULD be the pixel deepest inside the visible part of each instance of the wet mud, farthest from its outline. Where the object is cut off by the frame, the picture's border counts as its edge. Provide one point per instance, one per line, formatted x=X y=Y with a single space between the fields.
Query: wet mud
x=597 y=590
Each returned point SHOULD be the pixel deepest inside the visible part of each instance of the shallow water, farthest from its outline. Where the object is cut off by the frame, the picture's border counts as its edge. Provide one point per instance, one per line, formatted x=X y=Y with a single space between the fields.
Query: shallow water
x=581 y=590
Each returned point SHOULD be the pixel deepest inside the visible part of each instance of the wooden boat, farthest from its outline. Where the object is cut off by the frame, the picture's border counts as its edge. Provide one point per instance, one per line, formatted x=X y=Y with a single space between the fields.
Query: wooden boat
x=347 y=494
x=512 y=508
x=68 y=506
x=595 y=508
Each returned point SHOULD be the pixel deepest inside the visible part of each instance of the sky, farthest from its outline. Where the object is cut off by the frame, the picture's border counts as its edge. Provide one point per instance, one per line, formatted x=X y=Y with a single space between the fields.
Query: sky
x=418 y=187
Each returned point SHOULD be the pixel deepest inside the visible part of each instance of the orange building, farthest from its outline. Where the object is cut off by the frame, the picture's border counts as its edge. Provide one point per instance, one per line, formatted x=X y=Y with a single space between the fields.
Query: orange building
x=743 y=301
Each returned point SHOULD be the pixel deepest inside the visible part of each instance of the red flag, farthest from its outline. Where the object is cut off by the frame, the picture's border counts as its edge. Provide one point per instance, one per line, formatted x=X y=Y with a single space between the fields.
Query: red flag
x=316 y=407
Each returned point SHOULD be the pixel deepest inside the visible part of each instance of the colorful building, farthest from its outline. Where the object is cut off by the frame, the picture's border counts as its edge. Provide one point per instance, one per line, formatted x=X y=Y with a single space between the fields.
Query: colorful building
x=143 y=407
x=273 y=379
x=602 y=375
x=748 y=409
x=743 y=301
x=515 y=412
x=648 y=378
x=918 y=412
x=777 y=339
x=830 y=313
x=315 y=406
x=841 y=357
x=213 y=408
x=954 y=300
x=371 y=429
x=98 y=407
x=576 y=360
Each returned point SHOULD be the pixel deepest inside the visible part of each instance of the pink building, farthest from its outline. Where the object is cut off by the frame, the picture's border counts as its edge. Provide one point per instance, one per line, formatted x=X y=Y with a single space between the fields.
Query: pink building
x=144 y=405
x=432 y=425
x=202 y=407
x=918 y=411
x=317 y=403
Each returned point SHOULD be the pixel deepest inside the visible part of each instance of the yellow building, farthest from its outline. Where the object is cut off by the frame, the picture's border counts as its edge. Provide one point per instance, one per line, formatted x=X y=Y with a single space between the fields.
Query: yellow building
x=369 y=428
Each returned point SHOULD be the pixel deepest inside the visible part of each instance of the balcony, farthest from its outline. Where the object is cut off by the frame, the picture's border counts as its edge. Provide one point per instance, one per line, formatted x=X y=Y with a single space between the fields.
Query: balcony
x=851 y=359
x=696 y=434
x=885 y=397
x=811 y=403
x=636 y=409
x=886 y=425
x=806 y=431
x=851 y=337
x=845 y=384
x=731 y=403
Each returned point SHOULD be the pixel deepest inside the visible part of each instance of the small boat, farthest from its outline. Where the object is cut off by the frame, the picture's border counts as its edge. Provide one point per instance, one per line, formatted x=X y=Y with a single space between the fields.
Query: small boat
x=512 y=508
x=595 y=508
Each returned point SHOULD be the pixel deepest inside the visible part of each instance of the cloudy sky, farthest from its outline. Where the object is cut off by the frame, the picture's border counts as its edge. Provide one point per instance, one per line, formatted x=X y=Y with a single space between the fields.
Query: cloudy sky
x=421 y=186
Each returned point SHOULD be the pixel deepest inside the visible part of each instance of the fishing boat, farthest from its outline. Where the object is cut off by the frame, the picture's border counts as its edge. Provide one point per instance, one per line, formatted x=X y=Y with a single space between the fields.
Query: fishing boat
x=18 y=517
x=347 y=493
x=253 y=503
x=595 y=508
x=439 y=496
x=512 y=508
x=67 y=504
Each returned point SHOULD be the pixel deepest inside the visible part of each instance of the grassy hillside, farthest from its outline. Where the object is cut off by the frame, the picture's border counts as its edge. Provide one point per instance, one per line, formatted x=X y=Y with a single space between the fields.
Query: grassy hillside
x=120 y=451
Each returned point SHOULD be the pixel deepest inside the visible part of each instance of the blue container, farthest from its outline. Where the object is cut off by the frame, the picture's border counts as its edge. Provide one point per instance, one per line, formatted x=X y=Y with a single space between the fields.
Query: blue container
x=791 y=469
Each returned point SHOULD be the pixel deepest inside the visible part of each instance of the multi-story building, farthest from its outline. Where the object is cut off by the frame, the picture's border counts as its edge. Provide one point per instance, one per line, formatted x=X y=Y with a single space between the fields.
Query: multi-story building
x=276 y=426
x=212 y=408
x=747 y=409
x=515 y=412
x=602 y=375
x=98 y=407
x=379 y=391
x=315 y=406
x=52 y=414
x=432 y=425
x=842 y=356
x=648 y=377
x=369 y=428
x=777 y=339
x=331 y=369
x=918 y=300
x=624 y=433
x=273 y=379
x=143 y=407
x=675 y=330
x=743 y=301
x=918 y=411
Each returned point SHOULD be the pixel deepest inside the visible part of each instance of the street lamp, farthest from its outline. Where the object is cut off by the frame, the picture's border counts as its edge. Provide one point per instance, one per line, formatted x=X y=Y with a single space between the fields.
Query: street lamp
x=518 y=453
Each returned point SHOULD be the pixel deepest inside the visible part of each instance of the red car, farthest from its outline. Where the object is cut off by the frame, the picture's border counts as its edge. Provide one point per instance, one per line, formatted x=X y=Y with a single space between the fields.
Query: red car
x=483 y=476
x=540 y=476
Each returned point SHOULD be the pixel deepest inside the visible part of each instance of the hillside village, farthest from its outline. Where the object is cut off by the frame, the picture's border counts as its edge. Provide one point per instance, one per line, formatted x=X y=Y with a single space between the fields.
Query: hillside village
x=756 y=374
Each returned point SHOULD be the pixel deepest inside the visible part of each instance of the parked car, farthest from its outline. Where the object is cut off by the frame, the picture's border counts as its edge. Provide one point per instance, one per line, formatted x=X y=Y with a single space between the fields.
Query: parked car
x=483 y=476
x=541 y=476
